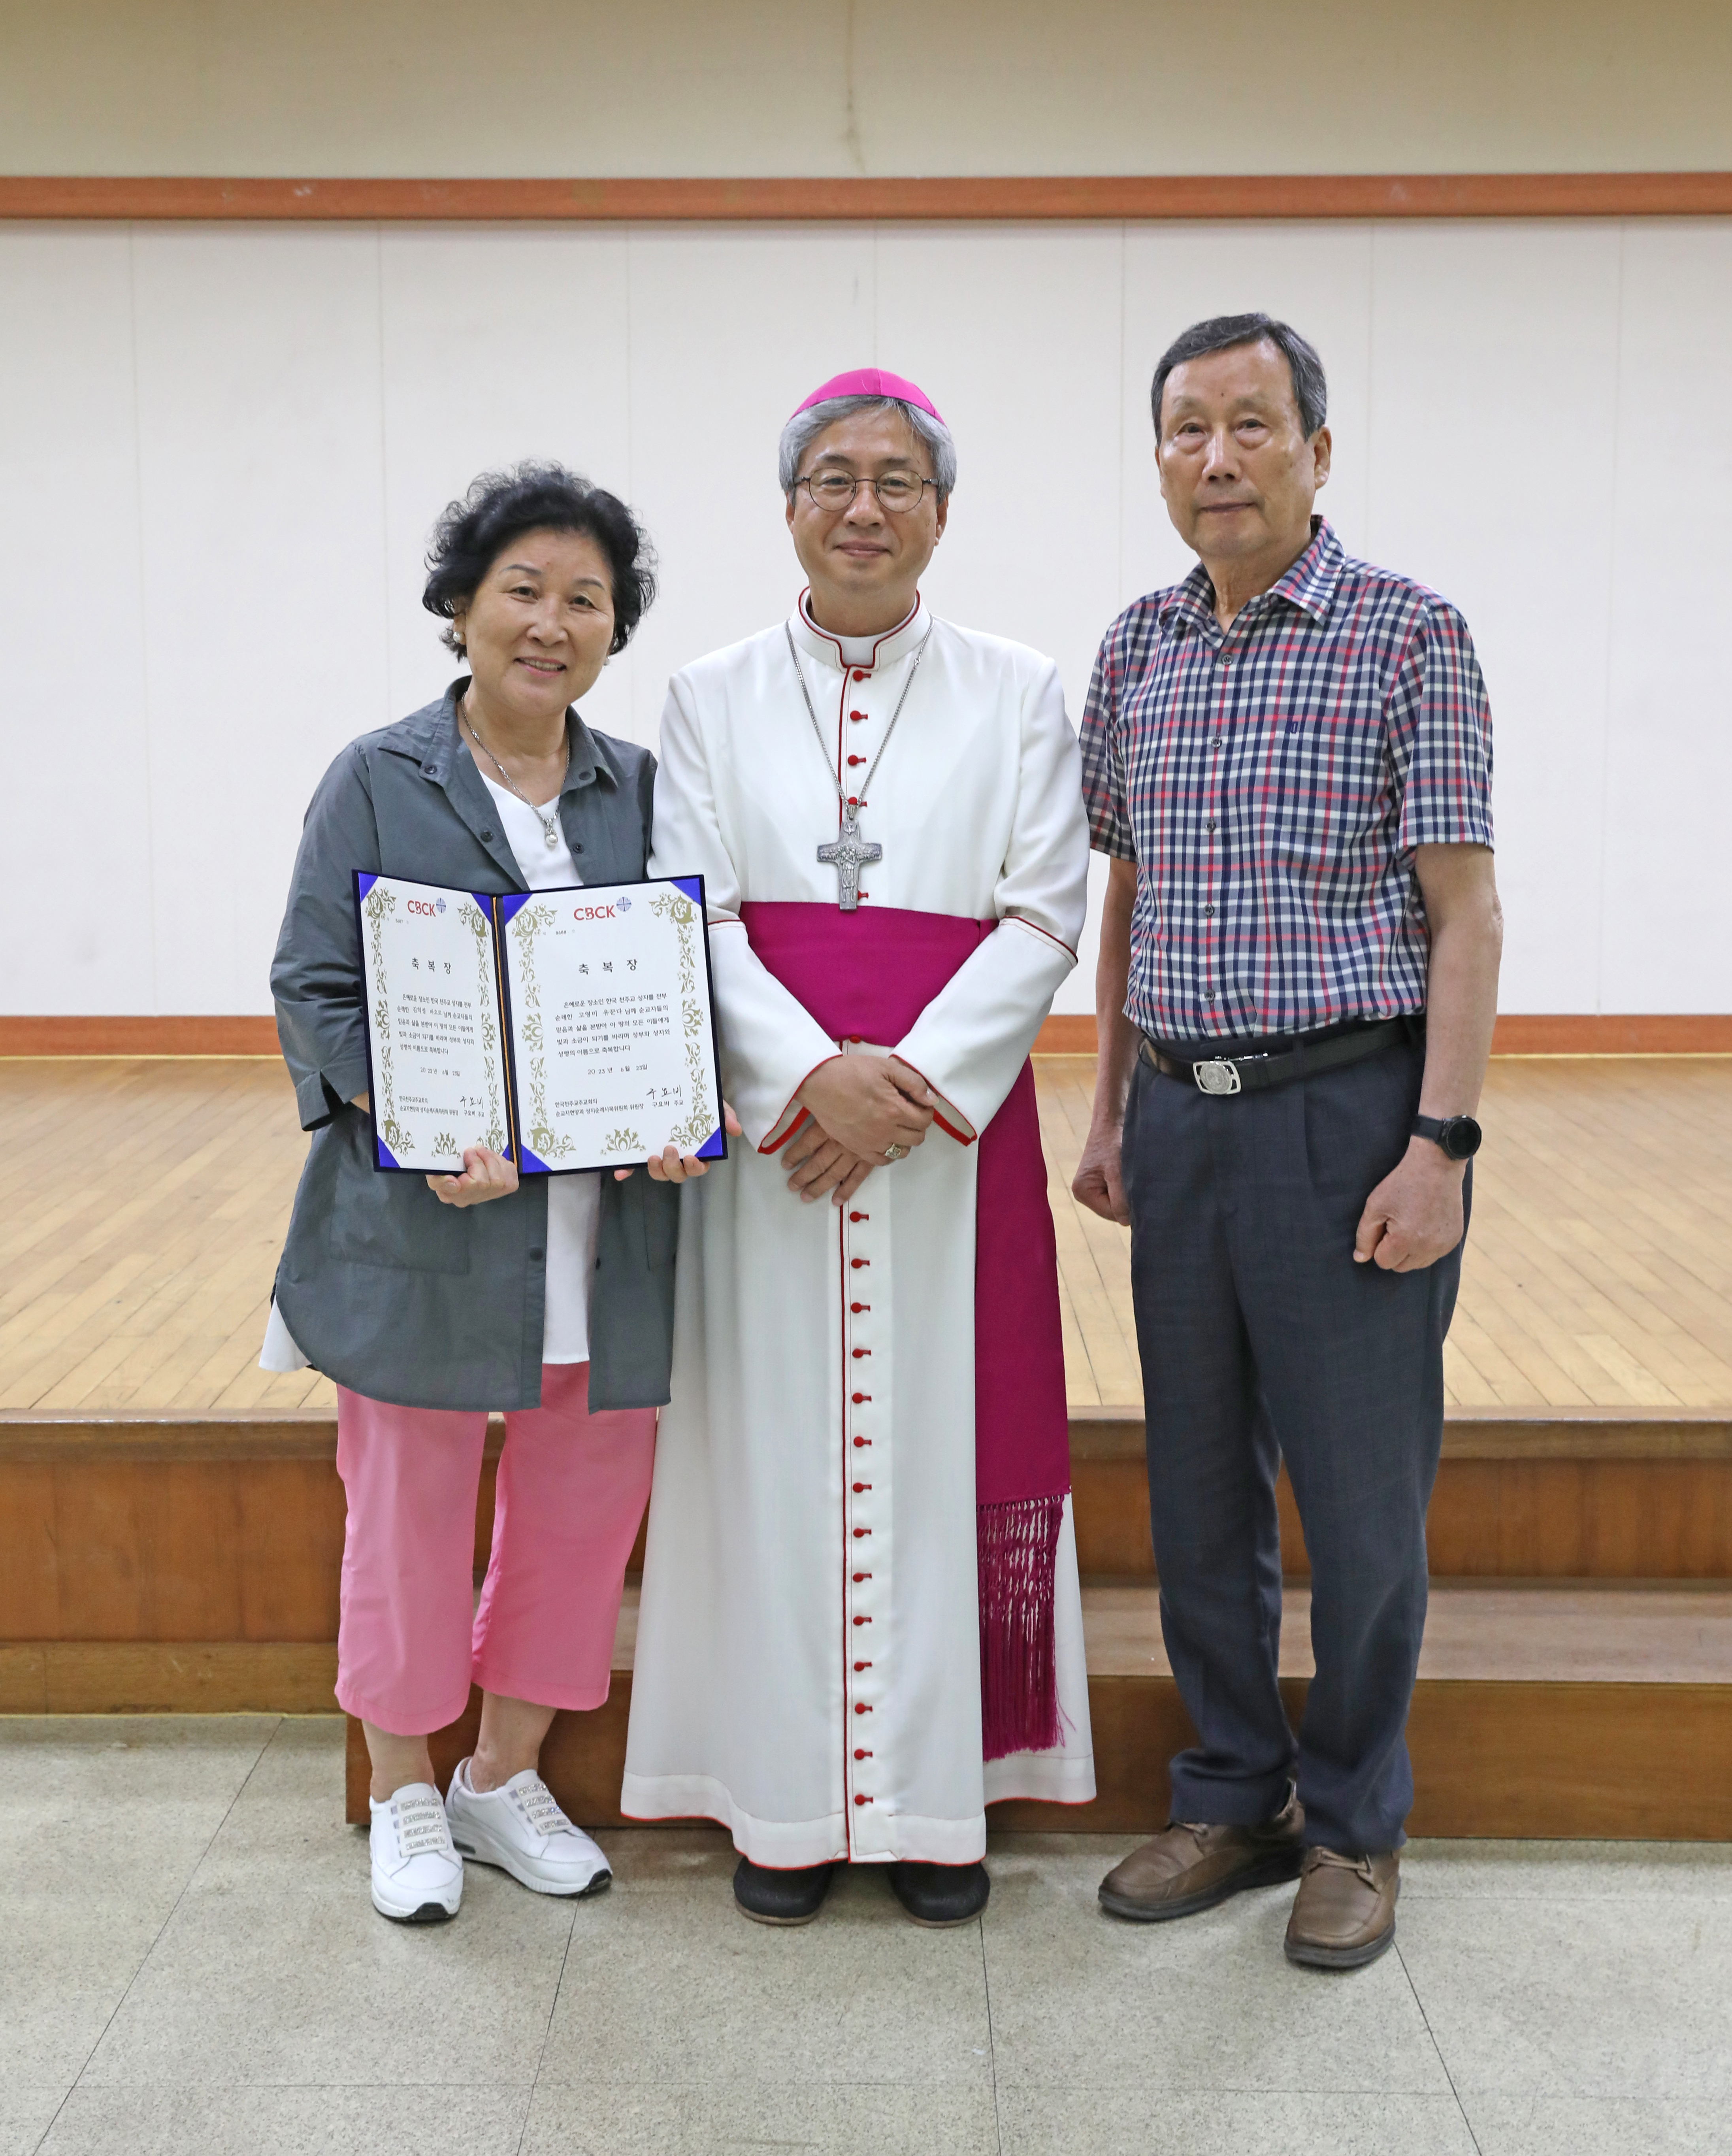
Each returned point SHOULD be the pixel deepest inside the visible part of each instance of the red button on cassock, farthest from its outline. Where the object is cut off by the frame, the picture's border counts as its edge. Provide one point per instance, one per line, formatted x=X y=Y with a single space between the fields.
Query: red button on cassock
x=859 y=1576
x=860 y=673
x=858 y=1262
x=859 y=1397
x=853 y=760
x=859 y=1486
x=862 y=1665
x=859 y=1216
x=859 y=1532
x=862 y=1755
x=856 y=714
x=863 y=1620
x=857 y=1307
x=862 y=1800
x=860 y=1352
x=859 y=1441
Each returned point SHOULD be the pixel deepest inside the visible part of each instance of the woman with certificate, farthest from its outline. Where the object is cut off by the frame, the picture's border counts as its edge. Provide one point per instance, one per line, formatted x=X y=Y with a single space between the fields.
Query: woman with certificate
x=432 y=1299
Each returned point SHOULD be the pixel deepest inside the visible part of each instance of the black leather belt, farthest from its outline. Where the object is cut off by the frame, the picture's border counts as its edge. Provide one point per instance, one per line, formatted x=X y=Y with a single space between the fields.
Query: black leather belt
x=1225 y=1074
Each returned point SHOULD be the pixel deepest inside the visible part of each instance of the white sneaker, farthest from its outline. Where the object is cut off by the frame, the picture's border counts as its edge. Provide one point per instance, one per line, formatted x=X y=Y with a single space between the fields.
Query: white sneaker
x=417 y=1876
x=520 y=1828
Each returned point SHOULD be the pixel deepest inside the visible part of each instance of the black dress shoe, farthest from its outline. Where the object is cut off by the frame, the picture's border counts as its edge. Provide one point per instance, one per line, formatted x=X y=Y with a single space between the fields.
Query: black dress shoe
x=939 y=1894
x=769 y=1896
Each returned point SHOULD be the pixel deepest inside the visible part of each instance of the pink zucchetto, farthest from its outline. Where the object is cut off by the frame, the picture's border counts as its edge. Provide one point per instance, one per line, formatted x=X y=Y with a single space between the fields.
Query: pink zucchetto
x=870 y=381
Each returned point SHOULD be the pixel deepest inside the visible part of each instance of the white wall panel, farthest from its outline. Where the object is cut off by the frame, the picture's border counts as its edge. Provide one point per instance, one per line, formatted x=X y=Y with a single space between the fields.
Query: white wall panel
x=262 y=484
x=1665 y=912
x=1317 y=277
x=250 y=431
x=1494 y=359
x=728 y=331
x=1032 y=393
x=495 y=346
x=71 y=619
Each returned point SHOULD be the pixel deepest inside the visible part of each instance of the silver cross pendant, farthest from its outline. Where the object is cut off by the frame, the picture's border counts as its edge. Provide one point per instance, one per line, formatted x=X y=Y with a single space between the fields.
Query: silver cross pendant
x=847 y=856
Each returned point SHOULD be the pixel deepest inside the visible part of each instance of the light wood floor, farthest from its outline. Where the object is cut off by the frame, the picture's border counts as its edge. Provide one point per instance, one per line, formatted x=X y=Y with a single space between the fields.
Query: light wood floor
x=147 y=1203
x=1599 y=1266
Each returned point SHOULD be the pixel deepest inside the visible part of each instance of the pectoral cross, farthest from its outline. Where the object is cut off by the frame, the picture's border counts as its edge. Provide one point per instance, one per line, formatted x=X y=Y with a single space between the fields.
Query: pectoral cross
x=847 y=856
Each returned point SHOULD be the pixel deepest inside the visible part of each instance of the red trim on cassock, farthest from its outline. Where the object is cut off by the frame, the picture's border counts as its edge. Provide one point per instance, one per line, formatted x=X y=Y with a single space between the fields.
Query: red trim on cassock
x=873 y=975
x=804 y=614
x=804 y=1115
x=949 y=1130
x=1022 y=920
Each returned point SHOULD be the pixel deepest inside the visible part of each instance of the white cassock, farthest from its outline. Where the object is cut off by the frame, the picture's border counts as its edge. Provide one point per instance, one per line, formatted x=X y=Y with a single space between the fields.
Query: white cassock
x=807 y=1666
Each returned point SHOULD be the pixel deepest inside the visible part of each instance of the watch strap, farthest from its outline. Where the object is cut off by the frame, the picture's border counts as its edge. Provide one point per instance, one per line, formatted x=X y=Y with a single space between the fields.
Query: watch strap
x=1441 y=1129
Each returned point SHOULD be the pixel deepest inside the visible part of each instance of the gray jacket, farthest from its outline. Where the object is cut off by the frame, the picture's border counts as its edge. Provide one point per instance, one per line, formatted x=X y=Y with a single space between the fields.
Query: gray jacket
x=382 y=1287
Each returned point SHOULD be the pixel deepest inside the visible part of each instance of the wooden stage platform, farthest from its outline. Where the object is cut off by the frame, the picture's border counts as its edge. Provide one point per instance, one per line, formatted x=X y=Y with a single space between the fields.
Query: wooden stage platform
x=172 y=1520
x=149 y=1200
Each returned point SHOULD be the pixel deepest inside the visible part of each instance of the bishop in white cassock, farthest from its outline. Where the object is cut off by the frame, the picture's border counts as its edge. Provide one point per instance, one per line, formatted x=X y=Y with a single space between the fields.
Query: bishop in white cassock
x=861 y=1620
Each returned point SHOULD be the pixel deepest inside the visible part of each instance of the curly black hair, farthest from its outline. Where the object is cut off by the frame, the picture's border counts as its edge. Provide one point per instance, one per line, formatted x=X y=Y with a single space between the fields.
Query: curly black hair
x=536 y=496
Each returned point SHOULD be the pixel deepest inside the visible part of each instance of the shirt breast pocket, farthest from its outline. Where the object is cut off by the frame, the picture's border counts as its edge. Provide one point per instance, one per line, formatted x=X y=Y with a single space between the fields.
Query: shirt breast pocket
x=1324 y=780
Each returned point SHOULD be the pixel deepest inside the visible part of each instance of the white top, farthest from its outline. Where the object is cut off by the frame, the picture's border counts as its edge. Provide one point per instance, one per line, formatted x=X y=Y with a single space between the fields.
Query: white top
x=573 y=1201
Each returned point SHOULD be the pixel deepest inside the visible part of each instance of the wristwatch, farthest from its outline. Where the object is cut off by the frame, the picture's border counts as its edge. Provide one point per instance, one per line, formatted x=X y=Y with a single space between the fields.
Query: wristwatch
x=1459 y=1136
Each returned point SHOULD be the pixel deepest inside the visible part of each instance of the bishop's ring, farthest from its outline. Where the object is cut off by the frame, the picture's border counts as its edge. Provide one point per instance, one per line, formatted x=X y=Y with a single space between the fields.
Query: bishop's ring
x=895 y=1152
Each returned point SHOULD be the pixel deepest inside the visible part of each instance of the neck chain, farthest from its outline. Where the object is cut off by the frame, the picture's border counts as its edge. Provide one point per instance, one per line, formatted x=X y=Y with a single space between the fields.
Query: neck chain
x=549 y=819
x=849 y=853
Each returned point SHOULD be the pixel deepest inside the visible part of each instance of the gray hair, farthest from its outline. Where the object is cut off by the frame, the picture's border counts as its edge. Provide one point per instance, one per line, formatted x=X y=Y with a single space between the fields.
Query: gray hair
x=804 y=429
x=1222 y=333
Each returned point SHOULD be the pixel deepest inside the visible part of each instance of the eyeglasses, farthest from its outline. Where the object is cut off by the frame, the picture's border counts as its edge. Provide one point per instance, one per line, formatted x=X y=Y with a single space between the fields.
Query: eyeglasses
x=834 y=491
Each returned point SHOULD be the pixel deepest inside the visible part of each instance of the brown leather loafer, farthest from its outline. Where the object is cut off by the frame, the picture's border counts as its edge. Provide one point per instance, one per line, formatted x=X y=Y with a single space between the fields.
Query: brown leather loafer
x=1344 y=1914
x=1192 y=1867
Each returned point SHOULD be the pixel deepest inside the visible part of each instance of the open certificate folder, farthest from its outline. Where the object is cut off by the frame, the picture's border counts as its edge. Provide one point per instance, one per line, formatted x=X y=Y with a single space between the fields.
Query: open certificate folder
x=567 y=1030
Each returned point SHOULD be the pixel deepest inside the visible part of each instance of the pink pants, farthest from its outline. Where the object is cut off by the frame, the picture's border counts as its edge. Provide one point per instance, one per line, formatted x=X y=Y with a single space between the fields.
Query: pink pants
x=573 y=1486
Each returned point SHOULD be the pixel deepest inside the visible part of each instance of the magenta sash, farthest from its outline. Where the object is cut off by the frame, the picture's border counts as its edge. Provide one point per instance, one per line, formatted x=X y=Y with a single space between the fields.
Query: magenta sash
x=870 y=975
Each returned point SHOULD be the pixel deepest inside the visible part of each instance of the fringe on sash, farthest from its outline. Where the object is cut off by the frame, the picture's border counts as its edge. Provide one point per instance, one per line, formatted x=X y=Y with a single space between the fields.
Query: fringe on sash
x=1018 y=1550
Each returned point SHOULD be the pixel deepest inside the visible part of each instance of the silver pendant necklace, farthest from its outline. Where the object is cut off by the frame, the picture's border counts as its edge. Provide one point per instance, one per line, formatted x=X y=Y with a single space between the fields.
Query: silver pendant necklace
x=850 y=853
x=549 y=818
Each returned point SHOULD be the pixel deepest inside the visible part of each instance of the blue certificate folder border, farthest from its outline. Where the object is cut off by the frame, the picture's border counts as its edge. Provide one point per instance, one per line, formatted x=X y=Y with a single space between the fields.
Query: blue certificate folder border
x=499 y=907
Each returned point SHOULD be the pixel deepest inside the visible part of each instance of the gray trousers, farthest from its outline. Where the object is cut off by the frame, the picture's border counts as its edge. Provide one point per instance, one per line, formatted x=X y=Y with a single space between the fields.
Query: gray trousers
x=1261 y=1339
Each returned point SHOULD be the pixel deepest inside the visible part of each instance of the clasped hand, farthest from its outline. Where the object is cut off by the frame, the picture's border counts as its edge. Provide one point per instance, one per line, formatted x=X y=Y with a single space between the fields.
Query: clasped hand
x=856 y=1107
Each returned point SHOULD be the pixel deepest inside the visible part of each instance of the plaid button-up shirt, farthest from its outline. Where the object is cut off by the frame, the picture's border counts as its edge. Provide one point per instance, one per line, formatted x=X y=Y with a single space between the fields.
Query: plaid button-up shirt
x=1272 y=780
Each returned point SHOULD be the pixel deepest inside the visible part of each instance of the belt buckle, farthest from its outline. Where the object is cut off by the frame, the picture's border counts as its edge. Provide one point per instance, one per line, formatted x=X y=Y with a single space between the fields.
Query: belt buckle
x=1219 y=1076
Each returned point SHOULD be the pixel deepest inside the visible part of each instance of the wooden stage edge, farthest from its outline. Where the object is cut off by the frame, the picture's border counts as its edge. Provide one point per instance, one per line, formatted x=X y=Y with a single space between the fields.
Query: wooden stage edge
x=956 y=198
x=74 y=1436
x=1068 y=1033
x=1490 y=1759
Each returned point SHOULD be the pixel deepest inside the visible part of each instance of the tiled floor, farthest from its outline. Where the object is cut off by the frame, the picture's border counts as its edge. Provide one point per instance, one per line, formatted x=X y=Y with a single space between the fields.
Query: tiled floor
x=190 y=1964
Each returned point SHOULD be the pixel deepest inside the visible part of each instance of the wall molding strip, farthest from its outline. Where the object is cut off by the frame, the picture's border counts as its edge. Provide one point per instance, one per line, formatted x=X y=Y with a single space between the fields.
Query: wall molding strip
x=1071 y=1034
x=1086 y=197
x=1065 y=1033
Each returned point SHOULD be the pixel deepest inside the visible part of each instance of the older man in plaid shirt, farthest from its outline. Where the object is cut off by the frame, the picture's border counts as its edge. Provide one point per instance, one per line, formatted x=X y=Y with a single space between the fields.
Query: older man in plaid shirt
x=1288 y=757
